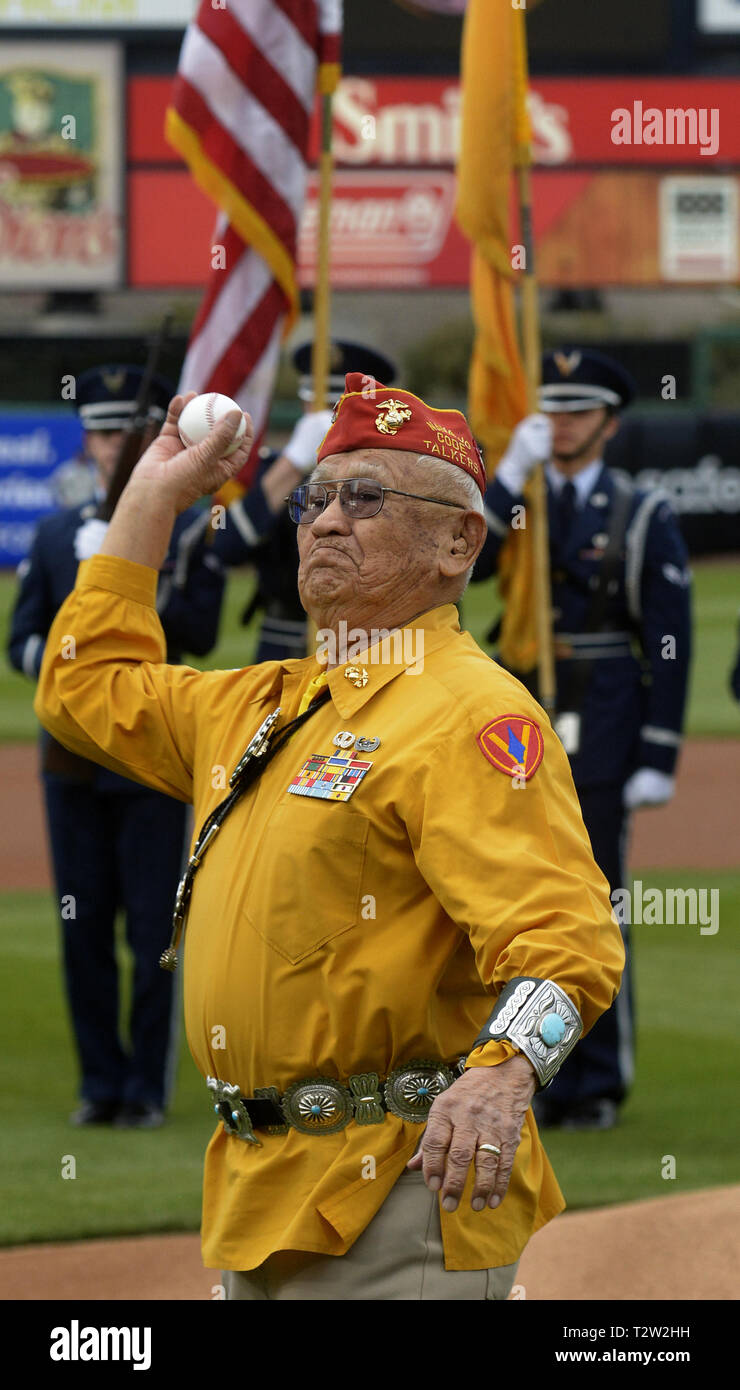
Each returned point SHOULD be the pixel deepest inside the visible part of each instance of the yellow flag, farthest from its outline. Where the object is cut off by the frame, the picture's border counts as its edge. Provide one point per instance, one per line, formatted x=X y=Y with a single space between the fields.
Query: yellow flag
x=495 y=138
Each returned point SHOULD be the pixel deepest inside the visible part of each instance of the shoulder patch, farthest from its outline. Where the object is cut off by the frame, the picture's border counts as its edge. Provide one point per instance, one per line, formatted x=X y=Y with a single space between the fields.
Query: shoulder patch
x=513 y=744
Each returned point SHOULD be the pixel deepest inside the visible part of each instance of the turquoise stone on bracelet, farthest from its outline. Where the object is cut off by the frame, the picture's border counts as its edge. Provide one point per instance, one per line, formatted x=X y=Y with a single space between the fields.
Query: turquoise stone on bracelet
x=552 y=1030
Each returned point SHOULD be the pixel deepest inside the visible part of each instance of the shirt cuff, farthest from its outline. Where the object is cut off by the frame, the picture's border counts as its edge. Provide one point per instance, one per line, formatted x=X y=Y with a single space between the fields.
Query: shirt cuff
x=123 y=577
x=490 y=1054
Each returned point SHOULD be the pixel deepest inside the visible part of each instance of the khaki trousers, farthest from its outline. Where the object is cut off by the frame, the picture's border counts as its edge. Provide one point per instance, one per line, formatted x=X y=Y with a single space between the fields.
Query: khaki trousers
x=398 y=1256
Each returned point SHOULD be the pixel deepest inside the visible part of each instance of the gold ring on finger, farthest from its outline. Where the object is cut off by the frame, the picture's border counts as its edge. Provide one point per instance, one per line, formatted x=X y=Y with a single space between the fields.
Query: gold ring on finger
x=491 y=1149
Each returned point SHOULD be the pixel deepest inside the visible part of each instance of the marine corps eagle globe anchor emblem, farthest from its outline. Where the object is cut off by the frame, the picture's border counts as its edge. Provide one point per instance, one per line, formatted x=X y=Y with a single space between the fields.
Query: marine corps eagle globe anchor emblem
x=391 y=416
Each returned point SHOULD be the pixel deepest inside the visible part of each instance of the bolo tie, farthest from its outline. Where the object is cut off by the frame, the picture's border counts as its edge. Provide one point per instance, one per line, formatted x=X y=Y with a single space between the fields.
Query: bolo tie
x=259 y=752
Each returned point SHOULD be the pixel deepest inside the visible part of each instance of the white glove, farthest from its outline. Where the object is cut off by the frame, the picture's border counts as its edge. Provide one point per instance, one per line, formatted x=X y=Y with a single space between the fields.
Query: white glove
x=89 y=538
x=303 y=444
x=646 y=787
x=530 y=444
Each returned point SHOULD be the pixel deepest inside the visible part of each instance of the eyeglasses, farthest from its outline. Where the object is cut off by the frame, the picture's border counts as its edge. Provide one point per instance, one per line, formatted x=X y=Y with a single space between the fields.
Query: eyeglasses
x=358 y=498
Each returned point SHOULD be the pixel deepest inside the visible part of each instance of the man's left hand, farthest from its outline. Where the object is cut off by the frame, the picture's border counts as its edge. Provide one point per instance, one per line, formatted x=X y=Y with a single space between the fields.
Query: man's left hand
x=486 y=1105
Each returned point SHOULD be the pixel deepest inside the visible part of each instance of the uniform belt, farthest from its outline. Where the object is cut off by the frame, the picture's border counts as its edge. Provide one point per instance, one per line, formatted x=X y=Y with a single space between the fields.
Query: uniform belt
x=322 y=1105
x=275 y=616
x=594 y=646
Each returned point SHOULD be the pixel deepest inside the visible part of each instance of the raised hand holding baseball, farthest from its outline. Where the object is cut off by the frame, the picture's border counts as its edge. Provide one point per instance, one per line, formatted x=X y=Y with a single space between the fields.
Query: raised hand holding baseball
x=185 y=473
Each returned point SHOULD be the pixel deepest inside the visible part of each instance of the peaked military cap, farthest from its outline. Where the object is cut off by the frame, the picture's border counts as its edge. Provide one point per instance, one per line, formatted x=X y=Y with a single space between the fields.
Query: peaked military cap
x=582 y=379
x=343 y=358
x=106 y=396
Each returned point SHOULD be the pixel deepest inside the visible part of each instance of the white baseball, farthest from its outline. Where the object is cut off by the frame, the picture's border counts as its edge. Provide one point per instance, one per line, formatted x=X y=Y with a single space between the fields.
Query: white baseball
x=202 y=413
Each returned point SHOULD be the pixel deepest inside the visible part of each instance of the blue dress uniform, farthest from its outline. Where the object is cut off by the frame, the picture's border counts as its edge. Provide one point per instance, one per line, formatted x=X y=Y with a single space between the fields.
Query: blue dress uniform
x=735 y=677
x=255 y=535
x=626 y=678
x=114 y=843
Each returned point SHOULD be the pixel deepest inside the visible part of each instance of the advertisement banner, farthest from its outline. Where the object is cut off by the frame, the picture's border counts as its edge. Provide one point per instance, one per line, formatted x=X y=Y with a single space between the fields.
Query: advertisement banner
x=96 y=14
x=694 y=460
x=634 y=185
x=60 y=166
x=575 y=121
x=699 y=229
x=616 y=227
x=40 y=470
x=385 y=230
x=623 y=227
x=414 y=122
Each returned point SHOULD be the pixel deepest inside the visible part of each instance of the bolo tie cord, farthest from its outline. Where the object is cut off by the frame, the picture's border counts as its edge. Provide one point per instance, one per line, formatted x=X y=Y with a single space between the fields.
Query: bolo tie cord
x=249 y=768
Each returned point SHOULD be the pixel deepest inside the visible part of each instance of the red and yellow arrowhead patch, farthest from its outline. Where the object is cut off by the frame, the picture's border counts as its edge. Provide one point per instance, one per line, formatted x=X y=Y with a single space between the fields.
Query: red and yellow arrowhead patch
x=513 y=744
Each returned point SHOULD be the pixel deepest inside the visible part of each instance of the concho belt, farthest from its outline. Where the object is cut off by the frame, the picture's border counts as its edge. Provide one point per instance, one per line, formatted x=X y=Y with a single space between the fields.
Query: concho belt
x=321 y=1105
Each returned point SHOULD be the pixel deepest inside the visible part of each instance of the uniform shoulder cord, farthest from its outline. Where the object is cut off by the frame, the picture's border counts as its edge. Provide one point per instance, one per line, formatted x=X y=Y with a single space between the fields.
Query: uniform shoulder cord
x=259 y=752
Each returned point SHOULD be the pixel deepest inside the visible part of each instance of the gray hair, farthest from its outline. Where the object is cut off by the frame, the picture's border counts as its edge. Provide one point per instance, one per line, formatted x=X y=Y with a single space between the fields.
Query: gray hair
x=454 y=483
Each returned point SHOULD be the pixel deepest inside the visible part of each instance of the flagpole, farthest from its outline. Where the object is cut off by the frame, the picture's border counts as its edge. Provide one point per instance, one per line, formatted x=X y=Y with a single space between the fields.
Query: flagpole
x=531 y=342
x=322 y=287
x=329 y=75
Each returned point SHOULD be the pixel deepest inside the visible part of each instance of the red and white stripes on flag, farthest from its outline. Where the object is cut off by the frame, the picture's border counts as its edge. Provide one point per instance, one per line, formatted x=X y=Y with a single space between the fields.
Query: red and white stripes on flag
x=240 y=116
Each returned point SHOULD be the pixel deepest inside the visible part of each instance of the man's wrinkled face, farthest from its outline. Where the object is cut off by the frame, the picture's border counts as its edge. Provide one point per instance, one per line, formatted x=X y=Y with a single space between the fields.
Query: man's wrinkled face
x=368 y=561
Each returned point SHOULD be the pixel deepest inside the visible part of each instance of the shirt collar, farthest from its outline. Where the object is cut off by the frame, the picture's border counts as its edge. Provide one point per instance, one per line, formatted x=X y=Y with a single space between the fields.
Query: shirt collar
x=584 y=482
x=402 y=650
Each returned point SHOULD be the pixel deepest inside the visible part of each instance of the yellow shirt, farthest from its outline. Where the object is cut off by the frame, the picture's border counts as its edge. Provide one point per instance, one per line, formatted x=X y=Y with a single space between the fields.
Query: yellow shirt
x=330 y=937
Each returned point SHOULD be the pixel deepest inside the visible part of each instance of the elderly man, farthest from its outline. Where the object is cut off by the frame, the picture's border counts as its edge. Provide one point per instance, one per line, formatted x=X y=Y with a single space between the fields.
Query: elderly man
x=395 y=919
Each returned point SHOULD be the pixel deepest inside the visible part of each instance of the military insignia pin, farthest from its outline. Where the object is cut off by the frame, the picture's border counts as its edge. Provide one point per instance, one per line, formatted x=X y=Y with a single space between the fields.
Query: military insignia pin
x=391 y=416
x=566 y=365
x=357 y=675
x=344 y=739
x=114 y=380
x=512 y=744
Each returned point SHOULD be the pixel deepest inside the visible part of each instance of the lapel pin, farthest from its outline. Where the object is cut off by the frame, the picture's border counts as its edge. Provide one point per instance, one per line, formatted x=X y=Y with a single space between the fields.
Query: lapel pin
x=357 y=675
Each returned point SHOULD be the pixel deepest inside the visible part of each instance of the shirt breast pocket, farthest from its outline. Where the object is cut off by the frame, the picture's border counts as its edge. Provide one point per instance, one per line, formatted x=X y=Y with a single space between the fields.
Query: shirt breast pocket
x=305 y=887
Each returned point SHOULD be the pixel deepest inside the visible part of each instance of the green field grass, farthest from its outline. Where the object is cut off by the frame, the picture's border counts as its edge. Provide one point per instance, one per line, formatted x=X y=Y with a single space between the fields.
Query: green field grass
x=684 y=1101
x=712 y=711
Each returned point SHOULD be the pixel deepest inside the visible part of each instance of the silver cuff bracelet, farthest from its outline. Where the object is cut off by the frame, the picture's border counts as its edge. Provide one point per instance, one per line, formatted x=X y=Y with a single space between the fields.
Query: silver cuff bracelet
x=538 y=1018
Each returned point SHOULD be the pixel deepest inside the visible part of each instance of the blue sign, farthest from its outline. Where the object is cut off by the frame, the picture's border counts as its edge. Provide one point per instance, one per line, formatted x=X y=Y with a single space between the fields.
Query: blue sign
x=41 y=470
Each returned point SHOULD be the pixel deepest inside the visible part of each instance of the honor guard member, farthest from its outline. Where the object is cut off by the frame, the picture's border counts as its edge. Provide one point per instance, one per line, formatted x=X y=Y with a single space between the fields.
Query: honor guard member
x=735 y=676
x=258 y=530
x=114 y=843
x=396 y=929
x=622 y=624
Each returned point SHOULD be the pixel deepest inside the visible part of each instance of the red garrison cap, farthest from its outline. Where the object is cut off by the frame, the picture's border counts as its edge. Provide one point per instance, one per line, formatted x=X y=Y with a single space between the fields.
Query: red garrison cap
x=371 y=416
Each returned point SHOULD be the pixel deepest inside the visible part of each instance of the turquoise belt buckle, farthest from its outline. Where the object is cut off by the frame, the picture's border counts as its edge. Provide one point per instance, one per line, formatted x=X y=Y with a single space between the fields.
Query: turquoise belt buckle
x=410 y=1090
x=318 y=1105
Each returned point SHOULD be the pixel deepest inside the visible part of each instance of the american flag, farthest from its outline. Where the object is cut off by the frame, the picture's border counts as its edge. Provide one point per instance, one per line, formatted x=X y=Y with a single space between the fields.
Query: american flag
x=240 y=116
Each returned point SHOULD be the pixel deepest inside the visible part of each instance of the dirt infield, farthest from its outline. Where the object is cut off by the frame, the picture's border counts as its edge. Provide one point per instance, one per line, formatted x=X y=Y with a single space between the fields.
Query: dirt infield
x=641 y=1250
x=691 y=833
